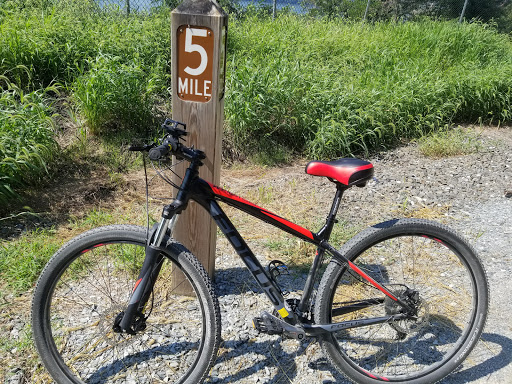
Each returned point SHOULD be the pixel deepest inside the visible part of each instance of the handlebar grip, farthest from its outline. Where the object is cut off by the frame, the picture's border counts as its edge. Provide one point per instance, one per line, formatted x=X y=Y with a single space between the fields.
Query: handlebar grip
x=158 y=152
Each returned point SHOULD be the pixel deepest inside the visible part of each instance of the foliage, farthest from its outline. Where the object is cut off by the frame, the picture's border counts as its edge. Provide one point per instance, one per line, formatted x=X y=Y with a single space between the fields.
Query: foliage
x=332 y=88
x=504 y=21
x=449 y=142
x=348 y=9
x=58 y=44
x=22 y=260
x=26 y=138
x=116 y=66
x=484 y=10
x=115 y=96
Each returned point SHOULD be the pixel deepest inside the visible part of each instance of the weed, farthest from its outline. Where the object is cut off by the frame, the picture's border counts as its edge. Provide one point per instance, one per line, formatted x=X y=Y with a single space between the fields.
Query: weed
x=26 y=138
x=22 y=260
x=265 y=195
x=449 y=142
x=113 y=96
x=95 y=218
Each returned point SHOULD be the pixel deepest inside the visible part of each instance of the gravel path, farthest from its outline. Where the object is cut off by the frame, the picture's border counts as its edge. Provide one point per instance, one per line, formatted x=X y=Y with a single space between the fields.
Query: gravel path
x=471 y=193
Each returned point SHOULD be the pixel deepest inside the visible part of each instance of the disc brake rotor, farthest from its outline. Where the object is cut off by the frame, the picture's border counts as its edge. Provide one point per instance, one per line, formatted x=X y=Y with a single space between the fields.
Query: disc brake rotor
x=412 y=324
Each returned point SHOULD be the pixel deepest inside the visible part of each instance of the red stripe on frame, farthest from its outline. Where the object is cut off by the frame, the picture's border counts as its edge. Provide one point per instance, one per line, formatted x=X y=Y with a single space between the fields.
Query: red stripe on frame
x=229 y=195
x=137 y=284
x=372 y=282
x=289 y=224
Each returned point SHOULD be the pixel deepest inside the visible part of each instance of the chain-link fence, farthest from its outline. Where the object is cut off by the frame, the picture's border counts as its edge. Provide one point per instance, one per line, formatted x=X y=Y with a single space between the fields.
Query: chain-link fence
x=371 y=10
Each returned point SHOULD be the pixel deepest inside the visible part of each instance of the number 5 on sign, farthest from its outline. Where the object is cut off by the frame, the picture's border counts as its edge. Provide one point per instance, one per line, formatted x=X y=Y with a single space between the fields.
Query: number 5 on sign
x=190 y=47
x=195 y=52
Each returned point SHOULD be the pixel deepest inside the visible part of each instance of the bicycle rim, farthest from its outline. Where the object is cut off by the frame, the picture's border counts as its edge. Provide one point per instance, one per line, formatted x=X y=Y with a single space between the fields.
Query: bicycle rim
x=93 y=289
x=414 y=267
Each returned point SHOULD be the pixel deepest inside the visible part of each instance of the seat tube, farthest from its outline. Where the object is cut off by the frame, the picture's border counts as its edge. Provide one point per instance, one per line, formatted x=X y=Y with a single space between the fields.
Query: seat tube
x=324 y=234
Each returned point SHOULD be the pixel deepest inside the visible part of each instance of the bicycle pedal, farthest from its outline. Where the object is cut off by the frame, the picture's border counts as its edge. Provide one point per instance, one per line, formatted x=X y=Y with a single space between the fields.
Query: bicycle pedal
x=267 y=324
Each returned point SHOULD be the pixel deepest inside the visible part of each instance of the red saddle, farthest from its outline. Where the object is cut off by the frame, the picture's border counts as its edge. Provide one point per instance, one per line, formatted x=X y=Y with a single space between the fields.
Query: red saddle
x=347 y=171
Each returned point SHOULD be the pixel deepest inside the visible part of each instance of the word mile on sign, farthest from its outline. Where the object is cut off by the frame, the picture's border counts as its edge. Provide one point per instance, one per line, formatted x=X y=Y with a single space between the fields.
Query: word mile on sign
x=195 y=69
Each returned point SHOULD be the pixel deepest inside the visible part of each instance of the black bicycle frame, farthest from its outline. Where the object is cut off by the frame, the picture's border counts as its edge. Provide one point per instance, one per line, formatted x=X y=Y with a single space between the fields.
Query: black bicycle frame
x=207 y=195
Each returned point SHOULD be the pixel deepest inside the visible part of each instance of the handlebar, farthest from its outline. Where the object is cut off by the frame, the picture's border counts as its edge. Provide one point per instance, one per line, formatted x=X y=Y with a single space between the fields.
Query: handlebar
x=171 y=144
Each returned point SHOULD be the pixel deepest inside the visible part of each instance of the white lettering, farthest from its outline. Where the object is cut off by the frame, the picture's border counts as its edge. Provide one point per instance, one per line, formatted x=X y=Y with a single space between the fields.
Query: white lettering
x=194 y=87
x=197 y=93
x=182 y=86
x=207 y=88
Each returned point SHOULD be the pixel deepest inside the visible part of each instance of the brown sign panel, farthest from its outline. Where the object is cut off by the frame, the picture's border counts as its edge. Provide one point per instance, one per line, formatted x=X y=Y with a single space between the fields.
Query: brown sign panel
x=195 y=63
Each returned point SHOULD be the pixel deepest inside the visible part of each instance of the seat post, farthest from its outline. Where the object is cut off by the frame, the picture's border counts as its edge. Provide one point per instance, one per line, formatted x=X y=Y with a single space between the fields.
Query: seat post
x=325 y=232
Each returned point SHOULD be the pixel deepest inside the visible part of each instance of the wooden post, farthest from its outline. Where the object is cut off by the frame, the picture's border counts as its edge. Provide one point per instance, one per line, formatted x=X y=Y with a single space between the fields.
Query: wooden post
x=199 y=33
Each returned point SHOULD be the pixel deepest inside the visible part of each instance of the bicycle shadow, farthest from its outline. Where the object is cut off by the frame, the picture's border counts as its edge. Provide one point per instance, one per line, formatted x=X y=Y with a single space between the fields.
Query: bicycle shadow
x=268 y=362
x=481 y=363
x=238 y=280
x=488 y=363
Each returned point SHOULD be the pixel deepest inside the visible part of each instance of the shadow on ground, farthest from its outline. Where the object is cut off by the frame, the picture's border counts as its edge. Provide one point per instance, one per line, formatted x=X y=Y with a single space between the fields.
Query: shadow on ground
x=274 y=358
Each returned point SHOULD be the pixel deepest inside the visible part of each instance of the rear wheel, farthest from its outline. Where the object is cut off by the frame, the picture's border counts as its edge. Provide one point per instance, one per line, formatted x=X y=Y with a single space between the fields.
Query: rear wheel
x=426 y=265
x=87 y=285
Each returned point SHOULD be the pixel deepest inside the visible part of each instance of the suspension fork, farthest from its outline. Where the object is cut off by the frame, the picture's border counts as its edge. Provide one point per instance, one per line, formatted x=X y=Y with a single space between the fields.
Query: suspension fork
x=133 y=318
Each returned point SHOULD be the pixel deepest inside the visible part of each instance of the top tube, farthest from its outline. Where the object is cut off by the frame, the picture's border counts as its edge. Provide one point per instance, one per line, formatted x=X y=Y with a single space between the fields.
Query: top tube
x=263 y=214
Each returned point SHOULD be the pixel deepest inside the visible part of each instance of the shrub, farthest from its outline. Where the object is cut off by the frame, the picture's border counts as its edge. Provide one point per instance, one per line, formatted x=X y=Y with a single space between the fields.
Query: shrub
x=114 y=96
x=58 y=43
x=330 y=88
x=26 y=138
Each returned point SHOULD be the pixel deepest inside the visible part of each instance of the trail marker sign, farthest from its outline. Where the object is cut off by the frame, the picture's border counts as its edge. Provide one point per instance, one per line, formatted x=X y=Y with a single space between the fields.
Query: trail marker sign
x=198 y=62
x=195 y=57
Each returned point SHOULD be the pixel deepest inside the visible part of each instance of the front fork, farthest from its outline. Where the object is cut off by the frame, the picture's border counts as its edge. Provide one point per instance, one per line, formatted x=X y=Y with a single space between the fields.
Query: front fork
x=133 y=318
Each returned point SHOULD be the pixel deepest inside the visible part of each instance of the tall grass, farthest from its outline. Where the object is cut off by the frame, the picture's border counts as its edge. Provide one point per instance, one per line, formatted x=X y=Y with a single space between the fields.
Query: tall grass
x=115 y=66
x=26 y=138
x=295 y=85
x=115 y=96
x=59 y=43
x=332 y=88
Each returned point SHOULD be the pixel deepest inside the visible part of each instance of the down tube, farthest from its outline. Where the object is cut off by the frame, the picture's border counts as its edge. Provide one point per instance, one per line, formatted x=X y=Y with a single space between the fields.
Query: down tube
x=252 y=263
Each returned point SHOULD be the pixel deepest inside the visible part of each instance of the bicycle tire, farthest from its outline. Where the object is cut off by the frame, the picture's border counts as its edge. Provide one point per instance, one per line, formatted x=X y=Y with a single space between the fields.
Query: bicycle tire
x=88 y=282
x=428 y=258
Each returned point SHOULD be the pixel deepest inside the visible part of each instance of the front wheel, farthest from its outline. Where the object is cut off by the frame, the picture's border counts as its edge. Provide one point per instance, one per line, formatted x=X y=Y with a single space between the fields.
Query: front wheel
x=426 y=265
x=84 y=289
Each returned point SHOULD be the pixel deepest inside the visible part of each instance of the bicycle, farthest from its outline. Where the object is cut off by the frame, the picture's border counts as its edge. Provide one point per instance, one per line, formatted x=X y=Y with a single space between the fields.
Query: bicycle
x=403 y=301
